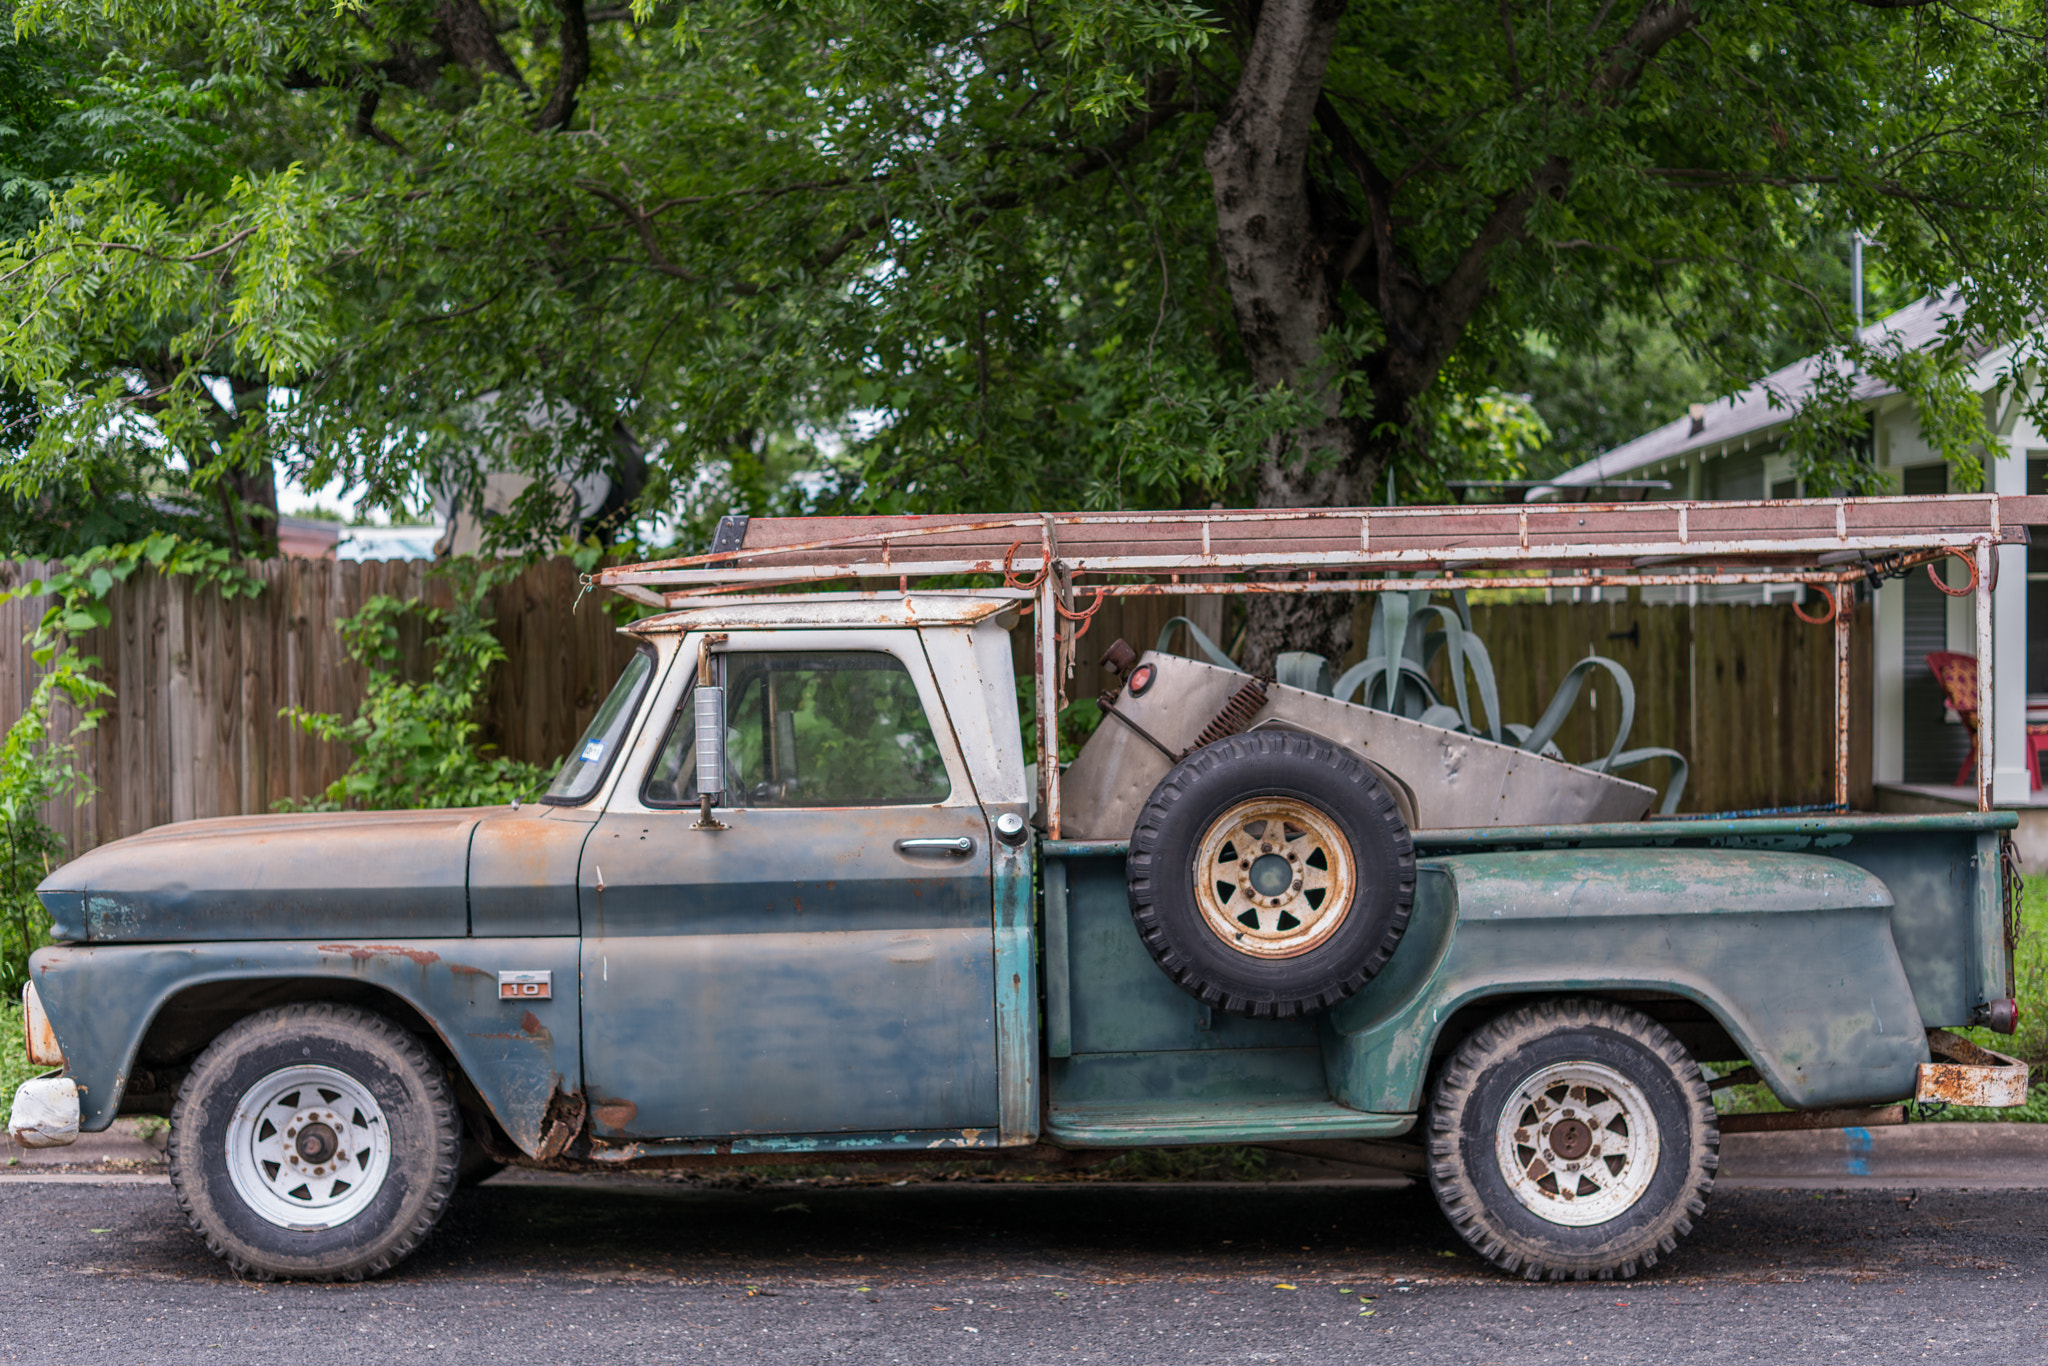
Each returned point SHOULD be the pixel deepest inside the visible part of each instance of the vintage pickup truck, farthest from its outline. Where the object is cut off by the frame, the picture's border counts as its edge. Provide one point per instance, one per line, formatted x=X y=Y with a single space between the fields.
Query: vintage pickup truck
x=800 y=893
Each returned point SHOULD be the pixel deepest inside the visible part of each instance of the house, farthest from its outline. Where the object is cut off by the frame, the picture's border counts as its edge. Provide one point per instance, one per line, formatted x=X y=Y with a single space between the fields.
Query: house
x=1734 y=448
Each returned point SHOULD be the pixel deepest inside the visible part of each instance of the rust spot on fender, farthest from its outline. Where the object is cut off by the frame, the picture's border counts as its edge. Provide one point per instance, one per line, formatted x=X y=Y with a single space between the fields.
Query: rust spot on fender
x=614 y=1114
x=535 y=1030
x=564 y=1118
x=364 y=952
x=465 y=970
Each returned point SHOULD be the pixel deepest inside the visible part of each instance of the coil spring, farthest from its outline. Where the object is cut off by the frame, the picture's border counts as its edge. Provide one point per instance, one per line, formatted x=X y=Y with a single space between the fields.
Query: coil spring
x=1237 y=713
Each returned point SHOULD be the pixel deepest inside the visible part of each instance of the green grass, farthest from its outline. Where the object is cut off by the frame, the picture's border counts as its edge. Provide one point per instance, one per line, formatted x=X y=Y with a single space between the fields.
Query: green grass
x=14 y=1064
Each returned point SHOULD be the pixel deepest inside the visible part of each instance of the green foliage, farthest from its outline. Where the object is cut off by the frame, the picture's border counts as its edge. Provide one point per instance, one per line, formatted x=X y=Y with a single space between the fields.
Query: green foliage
x=1487 y=435
x=415 y=741
x=1634 y=377
x=34 y=772
x=934 y=256
x=14 y=1064
x=1077 y=721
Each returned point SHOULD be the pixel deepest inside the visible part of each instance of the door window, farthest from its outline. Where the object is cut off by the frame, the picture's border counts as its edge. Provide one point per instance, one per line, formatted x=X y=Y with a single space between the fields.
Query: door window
x=816 y=728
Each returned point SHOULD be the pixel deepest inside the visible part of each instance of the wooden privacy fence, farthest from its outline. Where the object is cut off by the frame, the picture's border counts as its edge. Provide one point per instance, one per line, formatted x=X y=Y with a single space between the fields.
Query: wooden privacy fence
x=1745 y=692
x=193 y=728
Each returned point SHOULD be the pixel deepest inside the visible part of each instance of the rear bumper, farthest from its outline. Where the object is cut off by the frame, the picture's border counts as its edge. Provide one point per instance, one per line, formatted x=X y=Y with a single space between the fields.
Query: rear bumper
x=1964 y=1074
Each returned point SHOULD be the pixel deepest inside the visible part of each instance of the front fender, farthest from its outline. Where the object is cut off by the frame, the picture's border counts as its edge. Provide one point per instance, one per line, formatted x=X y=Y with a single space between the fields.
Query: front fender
x=1792 y=953
x=517 y=1053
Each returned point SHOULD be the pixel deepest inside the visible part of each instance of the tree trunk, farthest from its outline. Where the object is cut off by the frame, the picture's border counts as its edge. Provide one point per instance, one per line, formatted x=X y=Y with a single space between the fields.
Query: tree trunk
x=1284 y=293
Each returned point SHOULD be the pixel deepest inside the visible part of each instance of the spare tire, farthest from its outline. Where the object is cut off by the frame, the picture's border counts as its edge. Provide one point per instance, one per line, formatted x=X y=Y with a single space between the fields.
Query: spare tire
x=1271 y=874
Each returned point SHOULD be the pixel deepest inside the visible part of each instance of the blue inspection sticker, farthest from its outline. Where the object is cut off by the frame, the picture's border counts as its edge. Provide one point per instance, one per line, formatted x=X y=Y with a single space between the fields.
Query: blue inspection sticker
x=593 y=751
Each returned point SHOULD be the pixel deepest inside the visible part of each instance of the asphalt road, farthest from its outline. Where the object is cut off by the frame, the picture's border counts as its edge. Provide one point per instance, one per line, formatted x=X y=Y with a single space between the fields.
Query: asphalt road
x=791 y=1273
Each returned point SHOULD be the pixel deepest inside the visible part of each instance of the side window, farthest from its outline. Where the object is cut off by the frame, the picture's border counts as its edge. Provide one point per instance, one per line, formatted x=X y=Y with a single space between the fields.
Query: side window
x=816 y=728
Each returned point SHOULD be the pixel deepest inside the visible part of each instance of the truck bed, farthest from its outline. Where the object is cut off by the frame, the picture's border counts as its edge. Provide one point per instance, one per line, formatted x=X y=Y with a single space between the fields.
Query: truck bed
x=1134 y=1060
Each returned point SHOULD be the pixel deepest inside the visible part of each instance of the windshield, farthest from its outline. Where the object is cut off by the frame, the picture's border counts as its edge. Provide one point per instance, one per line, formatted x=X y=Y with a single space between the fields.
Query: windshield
x=586 y=765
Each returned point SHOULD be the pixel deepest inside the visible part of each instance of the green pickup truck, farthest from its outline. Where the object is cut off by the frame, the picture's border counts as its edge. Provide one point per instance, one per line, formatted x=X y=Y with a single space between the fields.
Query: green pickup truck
x=801 y=893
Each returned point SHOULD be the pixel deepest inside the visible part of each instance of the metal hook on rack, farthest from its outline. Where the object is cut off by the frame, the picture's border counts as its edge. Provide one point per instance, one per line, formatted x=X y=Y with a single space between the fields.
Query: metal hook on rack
x=1010 y=579
x=1834 y=607
x=1934 y=575
x=1086 y=617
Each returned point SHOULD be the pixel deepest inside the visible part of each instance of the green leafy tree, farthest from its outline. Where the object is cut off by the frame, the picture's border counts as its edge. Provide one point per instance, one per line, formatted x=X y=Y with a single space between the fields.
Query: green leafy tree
x=951 y=255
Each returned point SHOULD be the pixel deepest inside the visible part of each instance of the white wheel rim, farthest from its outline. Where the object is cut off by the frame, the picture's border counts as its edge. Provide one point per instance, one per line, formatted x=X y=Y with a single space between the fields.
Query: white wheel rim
x=308 y=1148
x=1577 y=1143
x=1295 y=907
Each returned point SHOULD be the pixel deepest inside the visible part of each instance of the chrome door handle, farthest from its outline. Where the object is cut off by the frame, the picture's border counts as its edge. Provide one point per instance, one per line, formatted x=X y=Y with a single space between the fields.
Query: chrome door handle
x=961 y=845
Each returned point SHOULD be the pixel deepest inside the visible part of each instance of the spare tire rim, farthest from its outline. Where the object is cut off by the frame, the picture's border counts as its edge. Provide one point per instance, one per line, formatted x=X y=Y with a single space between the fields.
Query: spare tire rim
x=308 y=1148
x=1274 y=877
x=1577 y=1143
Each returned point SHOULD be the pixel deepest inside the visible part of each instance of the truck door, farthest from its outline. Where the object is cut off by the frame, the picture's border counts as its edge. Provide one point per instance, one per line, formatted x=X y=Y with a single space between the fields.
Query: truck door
x=826 y=962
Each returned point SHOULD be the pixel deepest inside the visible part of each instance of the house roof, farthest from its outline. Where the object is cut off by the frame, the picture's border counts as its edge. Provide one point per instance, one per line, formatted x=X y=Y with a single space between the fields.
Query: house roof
x=1918 y=324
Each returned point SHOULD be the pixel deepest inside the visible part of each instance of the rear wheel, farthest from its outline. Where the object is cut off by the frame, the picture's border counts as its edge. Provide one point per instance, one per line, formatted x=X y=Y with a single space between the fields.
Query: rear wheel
x=1573 y=1139
x=314 y=1141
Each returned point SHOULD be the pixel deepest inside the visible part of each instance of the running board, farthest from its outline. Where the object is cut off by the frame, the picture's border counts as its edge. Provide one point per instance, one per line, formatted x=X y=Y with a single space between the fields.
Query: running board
x=1183 y=1123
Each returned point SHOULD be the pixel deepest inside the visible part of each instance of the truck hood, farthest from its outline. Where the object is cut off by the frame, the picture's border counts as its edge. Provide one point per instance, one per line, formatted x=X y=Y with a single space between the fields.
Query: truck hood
x=357 y=874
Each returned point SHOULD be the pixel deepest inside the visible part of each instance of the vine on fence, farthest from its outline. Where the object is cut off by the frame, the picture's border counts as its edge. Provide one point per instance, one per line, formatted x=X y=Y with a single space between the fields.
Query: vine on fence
x=415 y=742
x=37 y=766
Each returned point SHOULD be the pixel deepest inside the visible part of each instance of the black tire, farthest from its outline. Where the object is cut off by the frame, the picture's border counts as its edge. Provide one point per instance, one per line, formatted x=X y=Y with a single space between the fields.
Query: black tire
x=422 y=1142
x=1654 y=1204
x=1179 y=914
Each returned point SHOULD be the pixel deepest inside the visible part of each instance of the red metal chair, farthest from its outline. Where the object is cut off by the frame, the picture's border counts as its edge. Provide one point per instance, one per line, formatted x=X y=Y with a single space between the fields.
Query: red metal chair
x=1957 y=675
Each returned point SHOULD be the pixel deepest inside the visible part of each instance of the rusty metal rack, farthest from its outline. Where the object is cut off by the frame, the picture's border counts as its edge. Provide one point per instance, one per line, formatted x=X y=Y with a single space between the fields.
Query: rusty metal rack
x=1050 y=562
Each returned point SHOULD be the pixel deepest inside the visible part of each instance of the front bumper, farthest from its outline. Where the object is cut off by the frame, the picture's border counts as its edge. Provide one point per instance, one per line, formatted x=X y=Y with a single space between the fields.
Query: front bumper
x=1965 y=1074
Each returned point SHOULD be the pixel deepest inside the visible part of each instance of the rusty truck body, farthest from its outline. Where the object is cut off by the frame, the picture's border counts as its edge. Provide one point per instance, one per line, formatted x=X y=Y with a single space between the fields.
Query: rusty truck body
x=802 y=893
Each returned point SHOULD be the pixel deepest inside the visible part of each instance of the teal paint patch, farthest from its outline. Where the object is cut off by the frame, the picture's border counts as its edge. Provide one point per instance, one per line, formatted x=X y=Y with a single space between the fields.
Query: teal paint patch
x=1016 y=978
x=1179 y=1123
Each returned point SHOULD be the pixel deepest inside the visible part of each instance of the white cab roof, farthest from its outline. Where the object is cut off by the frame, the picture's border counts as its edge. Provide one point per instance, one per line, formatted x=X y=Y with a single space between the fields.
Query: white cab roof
x=839 y=610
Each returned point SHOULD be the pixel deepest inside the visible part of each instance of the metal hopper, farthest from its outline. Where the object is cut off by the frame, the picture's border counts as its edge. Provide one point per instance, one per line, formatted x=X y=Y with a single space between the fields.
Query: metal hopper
x=1443 y=779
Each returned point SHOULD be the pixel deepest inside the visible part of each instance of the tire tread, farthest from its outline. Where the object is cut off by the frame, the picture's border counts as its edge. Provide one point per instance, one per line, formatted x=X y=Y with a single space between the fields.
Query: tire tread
x=1501 y=1039
x=441 y=1096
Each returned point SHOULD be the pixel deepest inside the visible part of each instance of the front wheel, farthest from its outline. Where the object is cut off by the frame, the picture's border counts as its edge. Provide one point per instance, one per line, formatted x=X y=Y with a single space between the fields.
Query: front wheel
x=1572 y=1139
x=315 y=1141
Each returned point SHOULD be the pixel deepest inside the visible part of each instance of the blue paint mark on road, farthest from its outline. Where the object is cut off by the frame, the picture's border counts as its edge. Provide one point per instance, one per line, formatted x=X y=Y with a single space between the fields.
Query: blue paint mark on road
x=1859 y=1151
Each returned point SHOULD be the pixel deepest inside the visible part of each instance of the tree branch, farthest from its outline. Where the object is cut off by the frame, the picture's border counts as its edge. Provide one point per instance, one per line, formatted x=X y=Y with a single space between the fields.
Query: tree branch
x=366 y=119
x=465 y=30
x=575 y=68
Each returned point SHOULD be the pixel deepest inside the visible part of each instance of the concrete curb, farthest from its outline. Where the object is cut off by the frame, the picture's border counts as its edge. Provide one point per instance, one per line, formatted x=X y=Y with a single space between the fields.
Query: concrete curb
x=1931 y=1155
